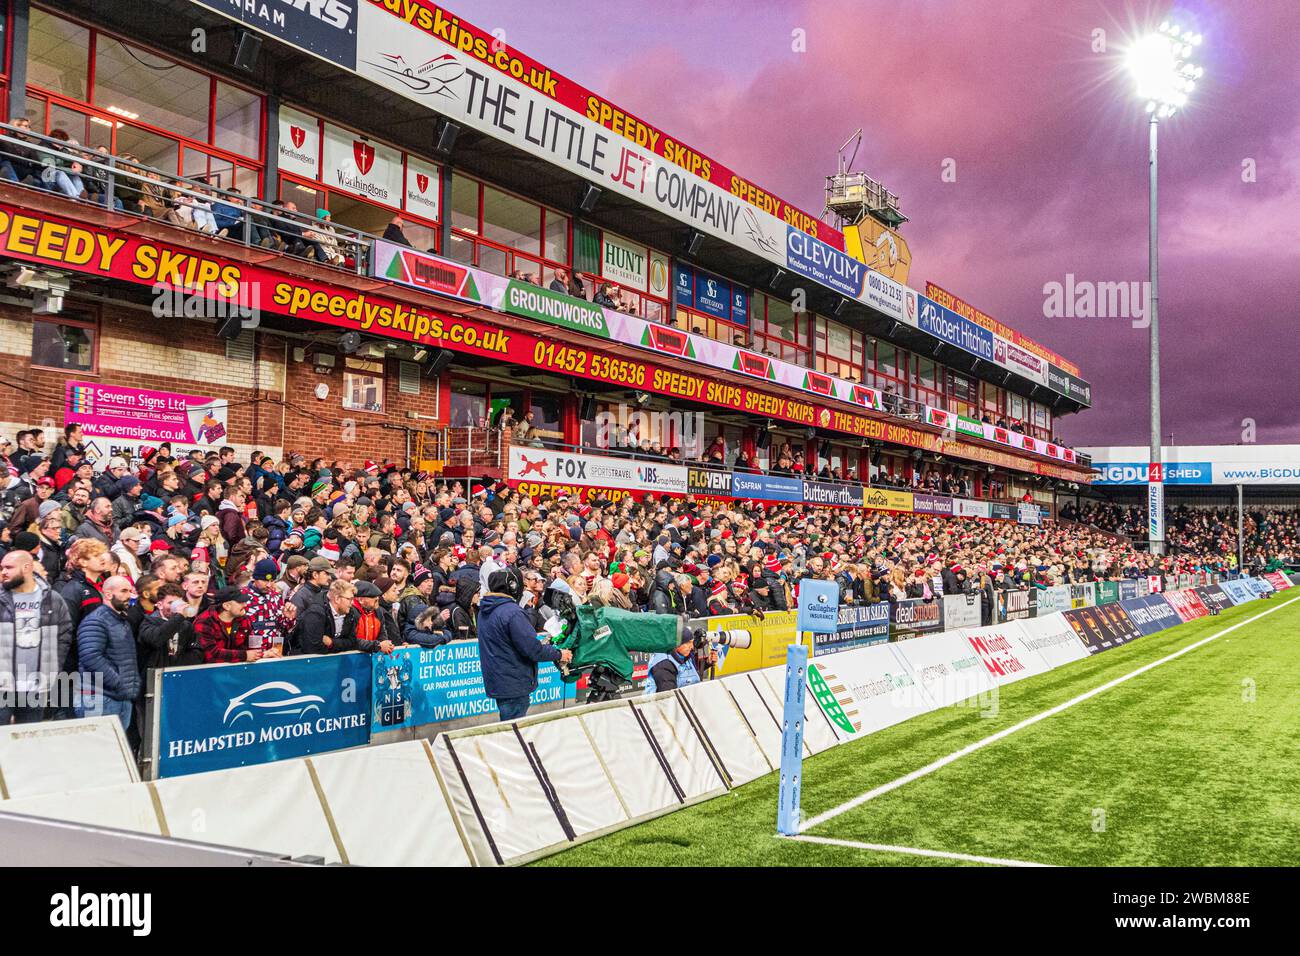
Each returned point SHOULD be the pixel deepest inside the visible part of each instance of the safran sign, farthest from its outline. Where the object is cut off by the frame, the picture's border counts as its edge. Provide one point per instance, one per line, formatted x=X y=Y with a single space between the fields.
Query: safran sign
x=213 y=717
x=327 y=28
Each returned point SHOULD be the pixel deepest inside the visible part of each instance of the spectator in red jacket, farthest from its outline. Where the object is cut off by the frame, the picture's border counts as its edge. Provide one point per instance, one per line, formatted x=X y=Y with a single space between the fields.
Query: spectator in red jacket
x=222 y=631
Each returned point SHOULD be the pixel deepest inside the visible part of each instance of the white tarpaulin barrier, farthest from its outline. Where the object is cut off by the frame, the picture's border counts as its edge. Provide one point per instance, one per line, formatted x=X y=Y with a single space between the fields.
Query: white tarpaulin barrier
x=582 y=788
x=1001 y=649
x=1053 y=639
x=727 y=732
x=62 y=755
x=631 y=761
x=817 y=732
x=947 y=668
x=505 y=809
x=360 y=786
x=681 y=746
x=765 y=724
x=127 y=806
x=272 y=807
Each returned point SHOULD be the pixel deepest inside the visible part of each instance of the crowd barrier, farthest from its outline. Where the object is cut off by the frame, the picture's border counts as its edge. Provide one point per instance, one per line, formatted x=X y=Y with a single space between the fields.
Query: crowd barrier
x=507 y=793
x=58 y=757
x=212 y=718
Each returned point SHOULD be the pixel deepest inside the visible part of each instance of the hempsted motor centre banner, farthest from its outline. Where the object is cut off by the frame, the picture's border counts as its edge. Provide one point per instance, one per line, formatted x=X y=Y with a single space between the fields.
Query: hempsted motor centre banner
x=217 y=716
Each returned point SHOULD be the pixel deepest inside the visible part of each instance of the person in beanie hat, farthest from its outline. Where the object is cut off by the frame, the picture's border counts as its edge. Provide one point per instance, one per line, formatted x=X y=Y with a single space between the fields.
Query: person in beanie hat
x=269 y=618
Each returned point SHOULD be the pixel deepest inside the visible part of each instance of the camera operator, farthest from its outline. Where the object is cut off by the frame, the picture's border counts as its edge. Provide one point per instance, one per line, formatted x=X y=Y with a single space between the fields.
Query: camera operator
x=508 y=646
x=680 y=668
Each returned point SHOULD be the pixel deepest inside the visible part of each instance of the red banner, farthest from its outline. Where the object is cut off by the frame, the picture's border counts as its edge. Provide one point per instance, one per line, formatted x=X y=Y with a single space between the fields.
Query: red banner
x=64 y=244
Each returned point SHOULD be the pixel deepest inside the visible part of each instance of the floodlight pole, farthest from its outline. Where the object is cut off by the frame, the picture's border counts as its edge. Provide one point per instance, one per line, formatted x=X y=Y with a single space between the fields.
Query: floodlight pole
x=1155 y=489
x=1241 y=535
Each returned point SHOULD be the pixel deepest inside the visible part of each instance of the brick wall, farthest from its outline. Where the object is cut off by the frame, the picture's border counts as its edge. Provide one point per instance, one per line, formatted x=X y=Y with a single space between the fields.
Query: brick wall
x=273 y=404
x=323 y=427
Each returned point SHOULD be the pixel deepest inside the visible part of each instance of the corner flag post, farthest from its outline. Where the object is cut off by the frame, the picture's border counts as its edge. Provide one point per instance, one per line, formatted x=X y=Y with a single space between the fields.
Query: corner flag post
x=796 y=670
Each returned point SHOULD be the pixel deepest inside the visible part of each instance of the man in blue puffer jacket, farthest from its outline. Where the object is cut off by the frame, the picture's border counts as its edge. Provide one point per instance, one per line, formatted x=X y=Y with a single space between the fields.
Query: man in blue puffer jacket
x=106 y=652
x=508 y=646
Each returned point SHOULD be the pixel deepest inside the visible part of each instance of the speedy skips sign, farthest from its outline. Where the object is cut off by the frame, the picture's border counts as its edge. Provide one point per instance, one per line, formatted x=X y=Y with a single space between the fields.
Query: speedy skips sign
x=213 y=717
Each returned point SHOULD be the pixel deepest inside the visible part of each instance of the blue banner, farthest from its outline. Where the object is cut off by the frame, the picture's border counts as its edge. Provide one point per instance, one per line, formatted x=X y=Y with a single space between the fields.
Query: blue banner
x=767 y=487
x=1238 y=590
x=1150 y=614
x=684 y=286
x=1258 y=586
x=859 y=625
x=1135 y=473
x=947 y=325
x=217 y=716
x=1128 y=590
x=819 y=606
x=825 y=264
x=414 y=686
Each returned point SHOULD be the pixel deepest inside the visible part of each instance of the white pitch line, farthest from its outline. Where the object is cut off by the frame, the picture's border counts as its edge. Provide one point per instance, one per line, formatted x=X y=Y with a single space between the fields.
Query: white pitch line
x=1029 y=722
x=914 y=851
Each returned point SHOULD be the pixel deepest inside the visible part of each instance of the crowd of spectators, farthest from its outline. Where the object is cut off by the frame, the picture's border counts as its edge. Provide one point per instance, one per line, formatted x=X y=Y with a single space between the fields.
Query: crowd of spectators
x=1269 y=535
x=117 y=567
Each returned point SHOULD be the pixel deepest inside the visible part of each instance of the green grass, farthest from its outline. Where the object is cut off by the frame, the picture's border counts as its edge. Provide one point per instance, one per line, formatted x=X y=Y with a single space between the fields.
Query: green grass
x=1186 y=767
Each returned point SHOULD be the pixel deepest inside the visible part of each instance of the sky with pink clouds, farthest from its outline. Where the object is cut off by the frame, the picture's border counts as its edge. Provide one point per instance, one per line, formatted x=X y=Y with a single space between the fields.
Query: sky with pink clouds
x=1049 y=151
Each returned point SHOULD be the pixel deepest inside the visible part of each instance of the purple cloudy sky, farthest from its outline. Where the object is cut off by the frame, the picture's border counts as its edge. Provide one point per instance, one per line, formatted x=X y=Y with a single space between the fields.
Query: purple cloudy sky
x=1050 y=154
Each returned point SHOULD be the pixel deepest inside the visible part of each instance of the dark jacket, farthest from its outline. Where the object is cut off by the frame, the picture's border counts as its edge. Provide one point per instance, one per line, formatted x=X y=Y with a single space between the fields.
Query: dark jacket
x=508 y=648
x=106 y=646
x=317 y=623
x=666 y=598
x=169 y=642
x=464 y=616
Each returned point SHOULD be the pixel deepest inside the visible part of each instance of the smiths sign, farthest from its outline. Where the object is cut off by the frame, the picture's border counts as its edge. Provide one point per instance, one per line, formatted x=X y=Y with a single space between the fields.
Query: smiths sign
x=702 y=481
x=327 y=28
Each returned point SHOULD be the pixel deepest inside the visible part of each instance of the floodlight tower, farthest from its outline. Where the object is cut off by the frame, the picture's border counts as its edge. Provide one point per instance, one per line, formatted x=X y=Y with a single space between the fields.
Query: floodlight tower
x=1164 y=78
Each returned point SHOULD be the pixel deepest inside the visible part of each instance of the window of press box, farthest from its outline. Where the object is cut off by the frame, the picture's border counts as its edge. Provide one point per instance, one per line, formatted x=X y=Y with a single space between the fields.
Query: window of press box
x=132 y=84
x=67 y=343
x=58 y=55
x=468 y=403
x=363 y=385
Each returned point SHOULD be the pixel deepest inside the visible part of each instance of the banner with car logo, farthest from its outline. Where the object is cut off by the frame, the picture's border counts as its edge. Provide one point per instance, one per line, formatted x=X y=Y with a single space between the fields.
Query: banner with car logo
x=217 y=716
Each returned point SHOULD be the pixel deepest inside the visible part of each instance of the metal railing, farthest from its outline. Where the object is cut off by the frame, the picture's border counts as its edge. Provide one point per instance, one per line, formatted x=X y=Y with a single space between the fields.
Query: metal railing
x=131 y=187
